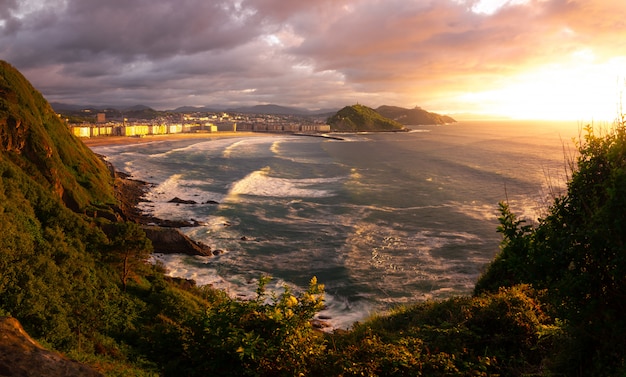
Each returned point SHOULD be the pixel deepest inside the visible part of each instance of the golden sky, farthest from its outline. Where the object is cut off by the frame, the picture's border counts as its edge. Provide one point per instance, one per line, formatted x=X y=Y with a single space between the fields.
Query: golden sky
x=539 y=59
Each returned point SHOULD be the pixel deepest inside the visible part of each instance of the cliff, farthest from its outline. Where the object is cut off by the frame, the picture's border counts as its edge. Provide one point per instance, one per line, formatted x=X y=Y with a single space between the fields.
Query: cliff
x=62 y=276
x=34 y=139
x=20 y=355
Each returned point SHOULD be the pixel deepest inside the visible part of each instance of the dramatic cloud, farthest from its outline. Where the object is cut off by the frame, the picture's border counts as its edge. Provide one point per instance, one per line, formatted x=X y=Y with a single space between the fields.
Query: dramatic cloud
x=444 y=55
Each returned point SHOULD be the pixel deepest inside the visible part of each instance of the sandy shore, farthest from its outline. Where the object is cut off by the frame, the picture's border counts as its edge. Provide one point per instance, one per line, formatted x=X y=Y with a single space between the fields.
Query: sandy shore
x=123 y=140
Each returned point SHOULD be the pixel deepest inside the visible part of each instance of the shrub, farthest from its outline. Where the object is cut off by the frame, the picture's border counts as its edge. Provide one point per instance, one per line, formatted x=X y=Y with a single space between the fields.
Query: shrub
x=577 y=252
x=265 y=336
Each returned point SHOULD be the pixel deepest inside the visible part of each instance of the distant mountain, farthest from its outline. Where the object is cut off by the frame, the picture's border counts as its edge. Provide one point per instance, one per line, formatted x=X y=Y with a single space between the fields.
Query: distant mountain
x=270 y=109
x=416 y=116
x=59 y=107
x=146 y=112
x=280 y=110
x=65 y=107
x=88 y=113
x=192 y=109
x=357 y=118
x=139 y=112
x=138 y=108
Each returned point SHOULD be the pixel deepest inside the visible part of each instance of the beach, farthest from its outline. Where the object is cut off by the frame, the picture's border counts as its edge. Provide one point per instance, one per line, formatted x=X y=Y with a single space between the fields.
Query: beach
x=100 y=141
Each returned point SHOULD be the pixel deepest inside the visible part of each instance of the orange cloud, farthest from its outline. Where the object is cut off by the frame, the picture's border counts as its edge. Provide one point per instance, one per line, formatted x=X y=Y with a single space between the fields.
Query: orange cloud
x=442 y=55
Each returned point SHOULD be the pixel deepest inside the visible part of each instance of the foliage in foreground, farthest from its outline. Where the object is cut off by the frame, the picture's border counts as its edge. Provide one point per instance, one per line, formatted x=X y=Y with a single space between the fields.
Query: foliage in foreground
x=578 y=254
x=91 y=295
x=506 y=333
x=551 y=303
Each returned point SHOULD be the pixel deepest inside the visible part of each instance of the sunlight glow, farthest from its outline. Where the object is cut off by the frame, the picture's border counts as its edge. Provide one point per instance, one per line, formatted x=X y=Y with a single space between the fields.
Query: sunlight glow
x=580 y=90
x=492 y=6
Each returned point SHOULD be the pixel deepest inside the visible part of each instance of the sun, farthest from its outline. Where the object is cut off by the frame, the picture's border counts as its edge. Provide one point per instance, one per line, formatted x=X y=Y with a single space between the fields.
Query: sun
x=579 y=90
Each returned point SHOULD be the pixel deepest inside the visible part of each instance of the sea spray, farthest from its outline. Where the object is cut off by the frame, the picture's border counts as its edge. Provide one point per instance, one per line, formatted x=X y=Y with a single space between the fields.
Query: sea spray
x=380 y=219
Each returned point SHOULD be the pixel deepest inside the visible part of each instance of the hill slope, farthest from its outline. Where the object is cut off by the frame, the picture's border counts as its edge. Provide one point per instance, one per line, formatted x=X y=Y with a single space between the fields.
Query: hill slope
x=416 y=116
x=358 y=118
x=34 y=139
x=91 y=294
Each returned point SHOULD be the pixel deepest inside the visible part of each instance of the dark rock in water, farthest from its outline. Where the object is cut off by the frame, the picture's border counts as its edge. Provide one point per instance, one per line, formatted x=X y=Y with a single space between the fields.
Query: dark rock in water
x=324 y=317
x=318 y=324
x=182 y=282
x=173 y=241
x=20 y=355
x=218 y=252
x=174 y=223
x=181 y=201
x=211 y=202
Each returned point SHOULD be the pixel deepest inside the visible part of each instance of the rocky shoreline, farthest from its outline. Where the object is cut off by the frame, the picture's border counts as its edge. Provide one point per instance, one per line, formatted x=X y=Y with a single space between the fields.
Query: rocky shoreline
x=20 y=355
x=165 y=234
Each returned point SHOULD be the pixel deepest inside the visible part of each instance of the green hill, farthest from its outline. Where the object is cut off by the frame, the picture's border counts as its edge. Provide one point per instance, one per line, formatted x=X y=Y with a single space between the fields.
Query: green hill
x=551 y=303
x=34 y=140
x=359 y=118
x=415 y=116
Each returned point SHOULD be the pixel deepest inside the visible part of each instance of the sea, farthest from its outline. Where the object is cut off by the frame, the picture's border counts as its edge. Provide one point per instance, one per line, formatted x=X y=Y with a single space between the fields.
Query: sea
x=381 y=219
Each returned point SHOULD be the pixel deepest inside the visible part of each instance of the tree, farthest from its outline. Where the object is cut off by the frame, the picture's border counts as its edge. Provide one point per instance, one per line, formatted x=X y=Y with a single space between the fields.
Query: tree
x=578 y=253
x=130 y=249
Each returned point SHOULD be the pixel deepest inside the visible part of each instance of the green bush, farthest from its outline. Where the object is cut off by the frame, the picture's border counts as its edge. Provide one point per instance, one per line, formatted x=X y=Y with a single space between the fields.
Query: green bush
x=577 y=253
x=505 y=333
x=268 y=336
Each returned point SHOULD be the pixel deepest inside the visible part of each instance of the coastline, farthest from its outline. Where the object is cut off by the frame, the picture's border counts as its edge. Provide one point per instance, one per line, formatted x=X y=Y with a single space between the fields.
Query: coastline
x=100 y=141
x=165 y=234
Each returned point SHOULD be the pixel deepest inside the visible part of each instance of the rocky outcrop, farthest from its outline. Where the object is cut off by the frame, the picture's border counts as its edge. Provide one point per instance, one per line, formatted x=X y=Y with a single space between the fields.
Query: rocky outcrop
x=21 y=356
x=165 y=236
x=178 y=200
x=173 y=241
x=12 y=135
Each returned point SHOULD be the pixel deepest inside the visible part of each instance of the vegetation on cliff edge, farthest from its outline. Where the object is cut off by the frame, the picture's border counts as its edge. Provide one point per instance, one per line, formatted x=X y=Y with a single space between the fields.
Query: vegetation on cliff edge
x=549 y=304
x=34 y=139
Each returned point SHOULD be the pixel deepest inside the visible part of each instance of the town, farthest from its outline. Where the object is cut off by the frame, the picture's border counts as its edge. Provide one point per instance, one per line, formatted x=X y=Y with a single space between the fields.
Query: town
x=101 y=123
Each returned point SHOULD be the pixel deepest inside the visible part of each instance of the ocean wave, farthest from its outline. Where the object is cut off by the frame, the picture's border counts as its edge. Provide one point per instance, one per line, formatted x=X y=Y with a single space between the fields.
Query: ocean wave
x=251 y=146
x=261 y=183
x=338 y=312
x=175 y=186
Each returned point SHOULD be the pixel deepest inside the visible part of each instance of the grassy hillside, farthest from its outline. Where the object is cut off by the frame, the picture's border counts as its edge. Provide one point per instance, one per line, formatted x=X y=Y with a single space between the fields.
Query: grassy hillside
x=359 y=118
x=416 y=116
x=34 y=139
x=550 y=304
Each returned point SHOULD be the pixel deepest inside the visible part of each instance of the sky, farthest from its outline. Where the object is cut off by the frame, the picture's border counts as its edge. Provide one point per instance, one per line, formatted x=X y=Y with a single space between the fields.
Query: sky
x=525 y=59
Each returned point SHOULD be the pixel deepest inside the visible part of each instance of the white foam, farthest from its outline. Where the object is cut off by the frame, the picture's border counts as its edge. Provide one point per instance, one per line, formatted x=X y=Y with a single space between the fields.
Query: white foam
x=175 y=186
x=275 y=148
x=399 y=259
x=205 y=273
x=244 y=145
x=341 y=313
x=338 y=312
x=260 y=183
x=227 y=151
x=477 y=211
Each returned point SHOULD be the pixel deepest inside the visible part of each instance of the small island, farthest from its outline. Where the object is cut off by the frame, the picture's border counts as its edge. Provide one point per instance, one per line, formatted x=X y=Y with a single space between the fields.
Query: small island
x=359 y=118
